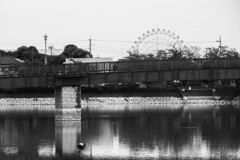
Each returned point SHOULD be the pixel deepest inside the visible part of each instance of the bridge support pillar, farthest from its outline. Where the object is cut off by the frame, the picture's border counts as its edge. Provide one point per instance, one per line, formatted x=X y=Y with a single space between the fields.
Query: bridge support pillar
x=68 y=103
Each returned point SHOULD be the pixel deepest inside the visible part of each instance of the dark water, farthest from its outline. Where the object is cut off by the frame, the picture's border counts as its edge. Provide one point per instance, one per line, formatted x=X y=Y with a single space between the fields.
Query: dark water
x=123 y=132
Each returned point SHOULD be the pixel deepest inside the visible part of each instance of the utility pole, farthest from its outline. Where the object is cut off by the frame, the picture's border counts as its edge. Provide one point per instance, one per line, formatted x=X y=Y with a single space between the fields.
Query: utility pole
x=0 y=63
x=220 y=44
x=51 y=48
x=45 y=57
x=90 y=45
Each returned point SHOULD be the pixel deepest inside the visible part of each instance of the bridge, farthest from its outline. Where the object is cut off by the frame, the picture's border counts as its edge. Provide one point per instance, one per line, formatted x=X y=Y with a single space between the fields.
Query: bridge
x=67 y=79
x=27 y=76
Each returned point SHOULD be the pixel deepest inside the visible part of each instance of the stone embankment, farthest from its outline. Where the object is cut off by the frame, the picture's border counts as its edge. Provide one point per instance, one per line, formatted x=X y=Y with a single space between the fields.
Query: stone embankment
x=27 y=101
x=130 y=100
x=116 y=100
x=149 y=101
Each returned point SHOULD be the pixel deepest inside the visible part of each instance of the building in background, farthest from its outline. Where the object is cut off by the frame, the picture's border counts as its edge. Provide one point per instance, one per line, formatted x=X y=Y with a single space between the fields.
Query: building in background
x=87 y=60
x=9 y=61
x=95 y=64
x=6 y=62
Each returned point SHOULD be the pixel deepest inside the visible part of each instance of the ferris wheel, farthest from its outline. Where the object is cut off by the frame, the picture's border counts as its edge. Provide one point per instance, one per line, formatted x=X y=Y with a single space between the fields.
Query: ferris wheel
x=155 y=40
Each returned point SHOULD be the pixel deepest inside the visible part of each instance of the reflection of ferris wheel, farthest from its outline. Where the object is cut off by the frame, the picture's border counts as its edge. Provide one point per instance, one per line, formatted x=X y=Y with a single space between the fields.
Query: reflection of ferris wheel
x=156 y=40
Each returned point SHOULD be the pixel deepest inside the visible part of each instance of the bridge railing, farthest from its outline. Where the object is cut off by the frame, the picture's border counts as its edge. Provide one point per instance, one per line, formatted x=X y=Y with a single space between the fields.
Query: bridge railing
x=119 y=66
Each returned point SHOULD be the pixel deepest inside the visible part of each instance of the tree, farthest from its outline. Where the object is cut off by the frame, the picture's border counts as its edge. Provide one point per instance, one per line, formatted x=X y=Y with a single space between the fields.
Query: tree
x=31 y=55
x=150 y=57
x=228 y=52
x=191 y=52
x=3 y=53
x=134 y=56
x=28 y=54
x=175 y=53
x=162 y=55
x=72 y=51
x=223 y=52
x=57 y=59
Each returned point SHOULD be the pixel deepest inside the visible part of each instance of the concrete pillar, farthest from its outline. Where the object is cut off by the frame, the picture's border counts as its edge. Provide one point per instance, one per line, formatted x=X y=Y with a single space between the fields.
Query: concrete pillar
x=68 y=97
x=68 y=103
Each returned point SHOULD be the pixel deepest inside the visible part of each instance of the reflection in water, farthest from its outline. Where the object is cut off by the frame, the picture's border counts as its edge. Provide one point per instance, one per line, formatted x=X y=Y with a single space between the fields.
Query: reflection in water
x=67 y=135
x=186 y=132
x=124 y=132
x=26 y=136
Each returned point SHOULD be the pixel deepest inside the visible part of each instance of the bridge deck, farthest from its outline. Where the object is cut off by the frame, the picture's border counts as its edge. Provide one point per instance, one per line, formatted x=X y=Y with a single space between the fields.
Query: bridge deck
x=13 y=77
x=119 y=66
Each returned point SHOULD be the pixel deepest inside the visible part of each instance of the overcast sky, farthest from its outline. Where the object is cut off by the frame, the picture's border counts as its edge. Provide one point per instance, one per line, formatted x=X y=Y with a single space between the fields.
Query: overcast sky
x=24 y=22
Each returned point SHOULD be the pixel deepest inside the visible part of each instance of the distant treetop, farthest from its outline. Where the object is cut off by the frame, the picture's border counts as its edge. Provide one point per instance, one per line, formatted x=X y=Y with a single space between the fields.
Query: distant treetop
x=72 y=51
x=31 y=55
x=185 y=52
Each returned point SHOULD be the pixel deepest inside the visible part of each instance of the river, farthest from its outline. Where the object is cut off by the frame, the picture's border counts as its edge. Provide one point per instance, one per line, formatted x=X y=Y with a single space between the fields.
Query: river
x=122 y=132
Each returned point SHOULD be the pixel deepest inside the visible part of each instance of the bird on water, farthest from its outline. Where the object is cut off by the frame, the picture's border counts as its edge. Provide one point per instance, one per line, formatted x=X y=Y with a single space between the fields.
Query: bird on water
x=81 y=145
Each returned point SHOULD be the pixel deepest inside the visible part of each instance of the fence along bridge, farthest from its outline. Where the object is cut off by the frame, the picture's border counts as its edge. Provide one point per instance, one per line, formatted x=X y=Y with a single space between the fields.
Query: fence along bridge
x=67 y=79
x=25 y=76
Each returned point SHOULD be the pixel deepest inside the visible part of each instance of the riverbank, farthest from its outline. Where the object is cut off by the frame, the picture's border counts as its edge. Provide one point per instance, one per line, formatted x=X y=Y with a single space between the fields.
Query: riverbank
x=101 y=101
x=126 y=96
x=224 y=93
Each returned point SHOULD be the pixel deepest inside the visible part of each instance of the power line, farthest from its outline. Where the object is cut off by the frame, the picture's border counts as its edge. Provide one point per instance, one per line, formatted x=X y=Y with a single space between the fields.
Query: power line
x=76 y=41
x=100 y=40
x=117 y=41
x=200 y=42
x=33 y=43
x=111 y=48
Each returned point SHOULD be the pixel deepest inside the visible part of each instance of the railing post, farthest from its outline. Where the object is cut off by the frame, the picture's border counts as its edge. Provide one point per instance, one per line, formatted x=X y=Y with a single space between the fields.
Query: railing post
x=26 y=69
x=238 y=62
x=212 y=63
x=82 y=67
x=103 y=67
x=96 y=67
x=39 y=69
x=117 y=66
x=225 y=61
x=78 y=68
x=145 y=65
x=53 y=69
x=31 y=69
x=88 y=68
x=135 y=64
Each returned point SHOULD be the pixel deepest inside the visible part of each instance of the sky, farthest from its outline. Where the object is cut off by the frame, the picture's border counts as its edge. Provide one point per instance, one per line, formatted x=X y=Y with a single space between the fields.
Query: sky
x=114 y=25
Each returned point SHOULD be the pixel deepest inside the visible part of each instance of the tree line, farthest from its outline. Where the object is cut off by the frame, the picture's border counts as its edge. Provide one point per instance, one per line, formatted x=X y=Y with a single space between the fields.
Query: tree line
x=31 y=54
x=186 y=52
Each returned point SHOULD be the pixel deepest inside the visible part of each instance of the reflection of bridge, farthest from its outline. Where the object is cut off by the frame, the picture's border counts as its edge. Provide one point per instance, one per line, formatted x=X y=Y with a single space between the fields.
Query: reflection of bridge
x=67 y=79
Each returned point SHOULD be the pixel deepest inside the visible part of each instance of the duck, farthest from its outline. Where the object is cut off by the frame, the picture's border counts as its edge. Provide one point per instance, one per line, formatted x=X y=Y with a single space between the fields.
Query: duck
x=81 y=145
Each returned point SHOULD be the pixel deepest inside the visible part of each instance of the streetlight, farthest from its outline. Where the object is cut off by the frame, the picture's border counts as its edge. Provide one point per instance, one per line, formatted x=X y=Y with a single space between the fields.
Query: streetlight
x=45 y=58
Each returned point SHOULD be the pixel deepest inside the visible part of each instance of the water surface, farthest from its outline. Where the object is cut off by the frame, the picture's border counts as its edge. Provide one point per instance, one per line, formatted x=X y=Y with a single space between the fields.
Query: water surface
x=122 y=132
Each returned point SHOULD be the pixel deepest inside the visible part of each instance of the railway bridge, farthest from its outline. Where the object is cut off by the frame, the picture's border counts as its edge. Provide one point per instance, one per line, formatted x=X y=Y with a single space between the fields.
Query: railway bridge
x=67 y=79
